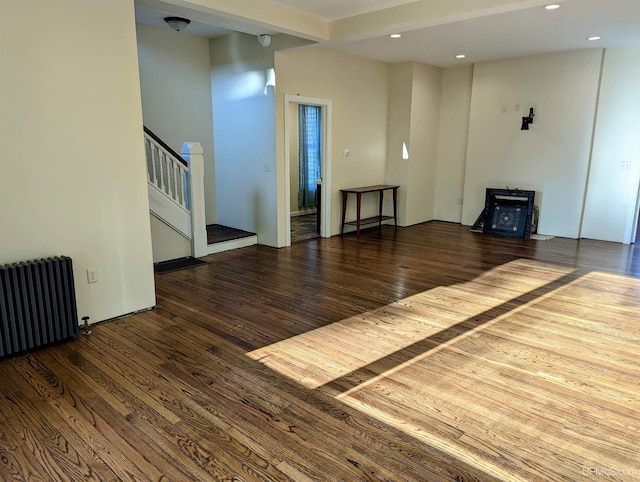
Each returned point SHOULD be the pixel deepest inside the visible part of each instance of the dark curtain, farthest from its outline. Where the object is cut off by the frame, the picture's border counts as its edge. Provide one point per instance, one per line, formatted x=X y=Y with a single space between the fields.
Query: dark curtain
x=310 y=153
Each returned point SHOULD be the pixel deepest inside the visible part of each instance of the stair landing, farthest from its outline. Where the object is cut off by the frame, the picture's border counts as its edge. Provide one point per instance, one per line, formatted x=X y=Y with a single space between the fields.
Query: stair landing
x=223 y=238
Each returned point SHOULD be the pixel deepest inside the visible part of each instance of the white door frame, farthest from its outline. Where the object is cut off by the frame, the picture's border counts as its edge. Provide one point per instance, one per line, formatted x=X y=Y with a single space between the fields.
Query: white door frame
x=325 y=208
x=632 y=221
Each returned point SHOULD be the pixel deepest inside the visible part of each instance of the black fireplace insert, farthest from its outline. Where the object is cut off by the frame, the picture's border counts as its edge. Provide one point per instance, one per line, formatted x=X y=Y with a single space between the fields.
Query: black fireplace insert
x=508 y=212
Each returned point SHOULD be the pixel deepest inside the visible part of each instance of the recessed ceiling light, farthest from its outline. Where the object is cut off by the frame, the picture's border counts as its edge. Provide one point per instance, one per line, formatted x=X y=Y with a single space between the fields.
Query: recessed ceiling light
x=395 y=35
x=553 y=6
x=460 y=56
x=594 y=38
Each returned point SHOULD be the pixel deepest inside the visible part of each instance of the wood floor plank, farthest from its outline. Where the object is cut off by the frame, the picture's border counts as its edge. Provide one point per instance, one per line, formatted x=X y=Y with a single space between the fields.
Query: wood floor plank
x=136 y=431
x=233 y=391
x=115 y=451
x=266 y=405
x=58 y=449
x=427 y=353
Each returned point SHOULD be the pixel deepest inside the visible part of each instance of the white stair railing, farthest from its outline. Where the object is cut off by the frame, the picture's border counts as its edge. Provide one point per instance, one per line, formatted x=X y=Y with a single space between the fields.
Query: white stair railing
x=193 y=154
x=166 y=172
x=176 y=188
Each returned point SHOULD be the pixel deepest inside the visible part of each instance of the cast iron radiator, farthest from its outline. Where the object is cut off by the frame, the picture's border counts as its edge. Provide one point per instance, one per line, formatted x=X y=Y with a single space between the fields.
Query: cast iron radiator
x=37 y=304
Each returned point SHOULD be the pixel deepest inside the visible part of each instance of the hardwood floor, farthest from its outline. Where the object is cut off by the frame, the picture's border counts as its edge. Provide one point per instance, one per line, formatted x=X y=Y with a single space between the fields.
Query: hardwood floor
x=422 y=353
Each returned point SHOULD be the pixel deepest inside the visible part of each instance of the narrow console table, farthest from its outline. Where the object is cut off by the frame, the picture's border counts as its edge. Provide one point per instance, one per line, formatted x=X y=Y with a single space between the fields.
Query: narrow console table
x=359 y=191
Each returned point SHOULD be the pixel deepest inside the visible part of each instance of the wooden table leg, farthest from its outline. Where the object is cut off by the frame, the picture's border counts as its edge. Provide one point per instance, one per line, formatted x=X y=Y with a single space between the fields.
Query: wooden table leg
x=381 y=197
x=344 y=211
x=359 y=196
x=395 y=206
x=318 y=206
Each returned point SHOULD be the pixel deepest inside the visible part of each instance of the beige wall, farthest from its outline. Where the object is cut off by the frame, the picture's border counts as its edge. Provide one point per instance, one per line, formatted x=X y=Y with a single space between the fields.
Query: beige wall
x=74 y=180
x=414 y=119
x=423 y=144
x=552 y=157
x=574 y=155
x=358 y=90
x=399 y=131
x=452 y=142
x=461 y=141
x=167 y=243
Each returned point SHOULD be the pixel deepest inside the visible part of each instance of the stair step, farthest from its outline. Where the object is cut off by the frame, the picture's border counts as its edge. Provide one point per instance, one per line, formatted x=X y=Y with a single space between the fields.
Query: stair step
x=232 y=244
x=217 y=233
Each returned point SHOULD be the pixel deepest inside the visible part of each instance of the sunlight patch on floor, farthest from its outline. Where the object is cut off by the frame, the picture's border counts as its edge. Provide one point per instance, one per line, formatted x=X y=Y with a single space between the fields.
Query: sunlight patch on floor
x=320 y=356
x=543 y=381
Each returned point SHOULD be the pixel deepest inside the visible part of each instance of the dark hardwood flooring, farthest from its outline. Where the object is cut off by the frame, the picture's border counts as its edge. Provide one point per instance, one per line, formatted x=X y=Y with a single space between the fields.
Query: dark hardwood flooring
x=427 y=353
x=217 y=233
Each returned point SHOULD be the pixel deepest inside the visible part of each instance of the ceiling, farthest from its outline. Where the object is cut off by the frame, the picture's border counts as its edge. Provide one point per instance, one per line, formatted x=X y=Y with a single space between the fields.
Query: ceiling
x=338 y=9
x=433 y=31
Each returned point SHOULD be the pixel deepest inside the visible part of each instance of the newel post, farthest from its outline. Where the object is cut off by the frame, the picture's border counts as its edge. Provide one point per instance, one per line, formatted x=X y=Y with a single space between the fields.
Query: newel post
x=193 y=154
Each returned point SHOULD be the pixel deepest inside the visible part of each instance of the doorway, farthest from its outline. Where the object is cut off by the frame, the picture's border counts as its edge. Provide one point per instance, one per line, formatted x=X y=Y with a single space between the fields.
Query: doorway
x=307 y=125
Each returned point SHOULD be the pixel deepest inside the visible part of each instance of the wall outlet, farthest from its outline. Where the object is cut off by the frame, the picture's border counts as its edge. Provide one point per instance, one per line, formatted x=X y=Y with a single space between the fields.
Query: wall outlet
x=625 y=165
x=92 y=275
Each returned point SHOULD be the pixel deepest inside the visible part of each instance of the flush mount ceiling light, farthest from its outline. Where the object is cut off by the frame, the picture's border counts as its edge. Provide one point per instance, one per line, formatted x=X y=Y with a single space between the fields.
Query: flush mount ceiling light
x=177 y=23
x=461 y=56
x=594 y=38
x=395 y=35
x=553 y=6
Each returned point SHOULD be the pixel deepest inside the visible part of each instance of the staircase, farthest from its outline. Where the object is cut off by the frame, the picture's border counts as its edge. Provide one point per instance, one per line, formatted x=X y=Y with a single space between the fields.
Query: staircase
x=176 y=196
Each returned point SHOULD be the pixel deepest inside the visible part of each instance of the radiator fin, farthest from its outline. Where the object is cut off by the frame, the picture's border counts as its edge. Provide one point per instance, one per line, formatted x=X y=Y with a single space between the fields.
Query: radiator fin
x=37 y=304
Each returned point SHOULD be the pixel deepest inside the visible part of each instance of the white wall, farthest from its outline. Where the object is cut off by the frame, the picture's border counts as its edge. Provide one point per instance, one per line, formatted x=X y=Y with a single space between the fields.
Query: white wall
x=357 y=88
x=244 y=130
x=73 y=167
x=452 y=142
x=551 y=158
x=610 y=205
x=175 y=81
